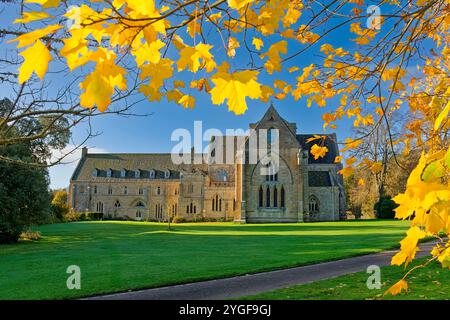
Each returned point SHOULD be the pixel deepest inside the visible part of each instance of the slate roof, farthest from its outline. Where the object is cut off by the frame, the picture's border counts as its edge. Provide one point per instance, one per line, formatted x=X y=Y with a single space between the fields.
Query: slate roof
x=145 y=162
x=330 y=143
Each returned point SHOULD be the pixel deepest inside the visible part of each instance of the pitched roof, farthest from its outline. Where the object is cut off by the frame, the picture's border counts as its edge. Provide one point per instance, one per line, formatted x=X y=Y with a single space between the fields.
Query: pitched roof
x=330 y=142
x=116 y=162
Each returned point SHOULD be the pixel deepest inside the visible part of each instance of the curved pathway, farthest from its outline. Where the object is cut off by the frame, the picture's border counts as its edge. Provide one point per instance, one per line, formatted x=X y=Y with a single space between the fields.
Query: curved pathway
x=251 y=284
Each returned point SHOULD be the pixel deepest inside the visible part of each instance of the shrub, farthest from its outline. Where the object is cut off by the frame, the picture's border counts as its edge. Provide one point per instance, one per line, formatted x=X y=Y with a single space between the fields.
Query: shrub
x=72 y=216
x=384 y=208
x=30 y=235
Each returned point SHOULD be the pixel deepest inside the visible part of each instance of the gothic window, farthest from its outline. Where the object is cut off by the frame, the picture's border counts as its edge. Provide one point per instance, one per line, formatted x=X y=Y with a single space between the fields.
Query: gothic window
x=95 y=189
x=234 y=204
x=282 y=197
x=152 y=174
x=260 y=196
x=158 y=211
x=140 y=204
x=313 y=205
x=222 y=175
x=190 y=188
x=110 y=190
x=117 y=204
x=141 y=191
x=268 y=197
x=99 y=206
x=275 y=197
x=270 y=172
x=125 y=190
x=167 y=174
x=158 y=191
x=217 y=204
x=138 y=214
x=137 y=174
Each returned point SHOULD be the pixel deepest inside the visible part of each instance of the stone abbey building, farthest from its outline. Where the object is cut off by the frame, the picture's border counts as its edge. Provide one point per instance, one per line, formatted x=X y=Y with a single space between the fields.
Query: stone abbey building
x=151 y=187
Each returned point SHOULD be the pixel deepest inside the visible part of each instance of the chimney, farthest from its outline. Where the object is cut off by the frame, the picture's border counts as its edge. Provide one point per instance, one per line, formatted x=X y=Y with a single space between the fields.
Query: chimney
x=84 y=152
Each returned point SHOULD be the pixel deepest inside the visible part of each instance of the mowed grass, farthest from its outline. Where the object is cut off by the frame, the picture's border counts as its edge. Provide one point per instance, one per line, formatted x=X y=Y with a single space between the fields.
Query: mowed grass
x=430 y=283
x=117 y=256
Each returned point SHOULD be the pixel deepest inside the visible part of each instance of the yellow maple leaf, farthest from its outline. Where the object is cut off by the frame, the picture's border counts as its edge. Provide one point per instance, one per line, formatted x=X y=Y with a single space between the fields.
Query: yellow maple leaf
x=36 y=59
x=148 y=52
x=46 y=3
x=193 y=58
x=318 y=151
x=274 y=61
x=98 y=87
x=187 y=101
x=233 y=44
x=32 y=16
x=257 y=43
x=235 y=87
x=239 y=4
x=30 y=37
x=397 y=288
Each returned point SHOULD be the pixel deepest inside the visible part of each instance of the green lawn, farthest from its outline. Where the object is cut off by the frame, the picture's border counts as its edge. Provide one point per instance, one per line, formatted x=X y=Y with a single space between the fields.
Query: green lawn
x=432 y=282
x=116 y=256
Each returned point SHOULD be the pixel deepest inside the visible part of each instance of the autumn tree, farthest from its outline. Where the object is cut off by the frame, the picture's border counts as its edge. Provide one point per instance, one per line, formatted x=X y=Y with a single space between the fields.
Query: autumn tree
x=396 y=60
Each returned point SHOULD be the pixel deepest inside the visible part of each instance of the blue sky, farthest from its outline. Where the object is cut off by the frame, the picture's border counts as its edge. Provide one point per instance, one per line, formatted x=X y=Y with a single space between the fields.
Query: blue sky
x=153 y=133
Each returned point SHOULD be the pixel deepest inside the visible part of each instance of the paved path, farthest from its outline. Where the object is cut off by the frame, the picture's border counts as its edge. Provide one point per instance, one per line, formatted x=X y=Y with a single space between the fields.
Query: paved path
x=261 y=282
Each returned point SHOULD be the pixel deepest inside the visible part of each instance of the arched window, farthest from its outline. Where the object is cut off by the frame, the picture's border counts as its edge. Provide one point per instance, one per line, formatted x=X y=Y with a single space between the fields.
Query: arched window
x=271 y=174
x=313 y=205
x=158 y=191
x=125 y=190
x=100 y=206
x=152 y=174
x=234 y=204
x=217 y=203
x=260 y=196
x=110 y=190
x=141 y=191
x=158 y=211
x=275 y=197
x=117 y=204
x=137 y=174
x=167 y=174
x=282 y=197
x=95 y=189
x=187 y=209
x=191 y=210
x=268 y=197
x=138 y=214
x=140 y=204
x=222 y=175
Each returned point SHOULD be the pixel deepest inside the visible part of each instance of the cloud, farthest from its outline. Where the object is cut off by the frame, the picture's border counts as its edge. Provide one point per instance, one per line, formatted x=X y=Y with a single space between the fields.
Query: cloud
x=61 y=173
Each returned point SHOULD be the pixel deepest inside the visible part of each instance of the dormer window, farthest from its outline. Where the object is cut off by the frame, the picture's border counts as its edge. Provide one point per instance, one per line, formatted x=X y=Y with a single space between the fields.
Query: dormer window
x=167 y=174
x=95 y=173
x=152 y=174
x=109 y=173
x=137 y=174
x=123 y=173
